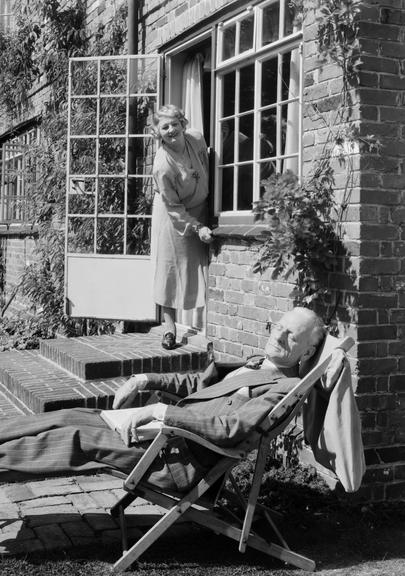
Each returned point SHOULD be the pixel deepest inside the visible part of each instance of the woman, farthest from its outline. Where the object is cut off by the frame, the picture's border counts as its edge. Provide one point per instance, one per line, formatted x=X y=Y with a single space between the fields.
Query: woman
x=179 y=231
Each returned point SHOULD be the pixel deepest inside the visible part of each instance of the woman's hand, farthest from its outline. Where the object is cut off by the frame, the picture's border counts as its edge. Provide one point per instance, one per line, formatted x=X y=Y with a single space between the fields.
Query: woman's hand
x=205 y=234
x=126 y=394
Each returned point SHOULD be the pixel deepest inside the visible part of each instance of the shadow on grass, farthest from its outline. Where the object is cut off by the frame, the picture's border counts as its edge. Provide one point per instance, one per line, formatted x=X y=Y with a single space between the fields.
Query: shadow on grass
x=335 y=535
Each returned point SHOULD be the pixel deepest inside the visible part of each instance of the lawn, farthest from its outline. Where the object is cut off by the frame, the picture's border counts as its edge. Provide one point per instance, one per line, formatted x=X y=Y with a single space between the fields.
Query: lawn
x=360 y=541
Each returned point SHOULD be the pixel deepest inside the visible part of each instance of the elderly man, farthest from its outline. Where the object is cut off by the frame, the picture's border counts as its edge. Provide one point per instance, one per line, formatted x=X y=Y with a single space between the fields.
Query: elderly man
x=225 y=413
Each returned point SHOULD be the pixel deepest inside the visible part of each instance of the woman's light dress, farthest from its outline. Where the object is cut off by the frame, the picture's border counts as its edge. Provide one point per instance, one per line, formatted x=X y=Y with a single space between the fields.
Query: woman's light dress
x=180 y=204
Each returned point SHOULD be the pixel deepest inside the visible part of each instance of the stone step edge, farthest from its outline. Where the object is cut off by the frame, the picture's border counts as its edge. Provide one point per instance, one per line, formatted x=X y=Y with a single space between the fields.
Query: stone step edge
x=19 y=404
x=47 y=387
x=106 y=366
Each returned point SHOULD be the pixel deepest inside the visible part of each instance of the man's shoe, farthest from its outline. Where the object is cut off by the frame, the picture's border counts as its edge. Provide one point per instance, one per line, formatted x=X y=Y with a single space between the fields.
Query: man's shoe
x=169 y=341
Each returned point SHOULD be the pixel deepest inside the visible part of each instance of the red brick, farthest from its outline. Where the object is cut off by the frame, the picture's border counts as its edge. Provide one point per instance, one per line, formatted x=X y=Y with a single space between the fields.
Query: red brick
x=374 y=30
x=379 y=266
x=375 y=366
x=395 y=491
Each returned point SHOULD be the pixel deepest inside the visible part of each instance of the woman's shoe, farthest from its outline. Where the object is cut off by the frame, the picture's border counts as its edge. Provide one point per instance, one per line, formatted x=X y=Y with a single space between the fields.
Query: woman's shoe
x=169 y=341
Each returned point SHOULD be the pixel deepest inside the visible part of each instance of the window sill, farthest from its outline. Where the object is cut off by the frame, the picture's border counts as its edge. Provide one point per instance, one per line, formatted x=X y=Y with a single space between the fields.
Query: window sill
x=17 y=229
x=247 y=231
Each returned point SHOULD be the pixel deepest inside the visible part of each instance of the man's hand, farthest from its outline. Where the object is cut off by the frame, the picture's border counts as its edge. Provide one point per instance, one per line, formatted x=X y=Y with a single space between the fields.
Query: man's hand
x=125 y=395
x=128 y=429
x=334 y=369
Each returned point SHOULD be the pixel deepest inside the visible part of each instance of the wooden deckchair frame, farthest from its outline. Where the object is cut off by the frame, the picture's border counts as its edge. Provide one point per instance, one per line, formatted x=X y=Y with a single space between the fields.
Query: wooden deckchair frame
x=191 y=506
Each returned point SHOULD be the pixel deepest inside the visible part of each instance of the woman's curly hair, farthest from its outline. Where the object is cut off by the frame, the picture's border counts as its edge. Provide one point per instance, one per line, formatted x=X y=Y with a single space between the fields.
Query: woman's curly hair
x=167 y=110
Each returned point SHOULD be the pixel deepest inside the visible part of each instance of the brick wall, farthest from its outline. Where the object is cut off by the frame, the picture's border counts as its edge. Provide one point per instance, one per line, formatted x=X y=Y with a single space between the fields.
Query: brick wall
x=240 y=303
x=381 y=322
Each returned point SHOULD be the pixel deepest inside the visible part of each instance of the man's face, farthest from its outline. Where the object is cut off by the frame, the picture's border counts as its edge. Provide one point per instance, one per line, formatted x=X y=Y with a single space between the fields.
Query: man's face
x=290 y=339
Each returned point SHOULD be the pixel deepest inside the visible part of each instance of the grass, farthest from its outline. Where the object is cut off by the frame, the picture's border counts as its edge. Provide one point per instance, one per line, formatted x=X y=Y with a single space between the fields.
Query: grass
x=345 y=539
x=357 y=551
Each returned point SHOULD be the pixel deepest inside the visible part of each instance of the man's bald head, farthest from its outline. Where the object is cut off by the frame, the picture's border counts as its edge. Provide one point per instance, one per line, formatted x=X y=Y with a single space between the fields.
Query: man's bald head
x=295 y=337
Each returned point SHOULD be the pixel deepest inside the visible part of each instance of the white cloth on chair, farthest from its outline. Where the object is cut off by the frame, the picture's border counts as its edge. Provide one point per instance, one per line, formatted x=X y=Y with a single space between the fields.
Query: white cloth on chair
x=332 y=427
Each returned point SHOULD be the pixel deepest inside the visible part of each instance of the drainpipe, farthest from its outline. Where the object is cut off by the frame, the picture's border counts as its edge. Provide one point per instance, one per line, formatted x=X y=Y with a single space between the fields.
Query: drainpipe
x=132 y=25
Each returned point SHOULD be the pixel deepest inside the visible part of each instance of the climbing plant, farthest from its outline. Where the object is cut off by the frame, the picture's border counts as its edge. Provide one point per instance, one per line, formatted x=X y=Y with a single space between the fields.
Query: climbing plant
x=304 y=222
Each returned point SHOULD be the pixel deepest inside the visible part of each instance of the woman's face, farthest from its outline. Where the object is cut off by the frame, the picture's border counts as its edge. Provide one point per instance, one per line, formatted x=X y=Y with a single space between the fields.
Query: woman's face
x=171 y=131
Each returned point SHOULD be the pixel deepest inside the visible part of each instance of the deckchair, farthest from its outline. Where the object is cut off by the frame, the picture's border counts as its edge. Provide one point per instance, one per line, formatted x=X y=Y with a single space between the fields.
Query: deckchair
x=203 y=503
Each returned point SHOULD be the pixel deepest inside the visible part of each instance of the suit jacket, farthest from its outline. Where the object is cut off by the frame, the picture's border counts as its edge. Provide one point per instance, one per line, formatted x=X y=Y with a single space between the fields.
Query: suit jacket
x=221 y=413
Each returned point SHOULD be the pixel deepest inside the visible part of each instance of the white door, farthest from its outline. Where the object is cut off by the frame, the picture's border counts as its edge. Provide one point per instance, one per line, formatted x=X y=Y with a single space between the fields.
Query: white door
x=108 y=271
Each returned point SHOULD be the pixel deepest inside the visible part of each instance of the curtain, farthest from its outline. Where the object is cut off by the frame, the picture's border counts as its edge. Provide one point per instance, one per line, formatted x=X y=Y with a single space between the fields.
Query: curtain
x=192 y=104
x=293 y=114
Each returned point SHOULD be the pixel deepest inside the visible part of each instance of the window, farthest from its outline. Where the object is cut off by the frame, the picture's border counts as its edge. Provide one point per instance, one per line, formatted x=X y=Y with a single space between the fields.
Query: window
x=258 y=101
x=13 y=172
x=111 y=149
x=6 y=16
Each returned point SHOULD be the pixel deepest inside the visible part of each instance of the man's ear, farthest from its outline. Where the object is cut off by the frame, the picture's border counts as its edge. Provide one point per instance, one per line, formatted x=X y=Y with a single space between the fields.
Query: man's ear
x=308 y=354
x=304 y=366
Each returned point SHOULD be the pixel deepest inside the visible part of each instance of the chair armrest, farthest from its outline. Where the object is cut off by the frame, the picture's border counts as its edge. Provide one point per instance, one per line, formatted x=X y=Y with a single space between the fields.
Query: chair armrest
x=229 y=452
x=163 y=434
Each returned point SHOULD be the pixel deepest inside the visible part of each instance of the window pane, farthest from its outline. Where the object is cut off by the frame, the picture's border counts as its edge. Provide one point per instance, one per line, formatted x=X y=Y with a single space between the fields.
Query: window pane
x=113 y=113
x=293 y=18
x=140 y=155
x=228 y=141
x=141 y=109
x=246 y=34
x=271 y=23
x=81 y=199
x=138 y=236
x=111 y=193
x=228 y=102
x=84 y=78
x=245 y=138
x=289 y=131
x=113 y=76
x=226 y=187
x=80 y=235
x=143 y=75
x=83 y=156
x=83 y=116
x=247 y=88
x=269 y=82
x=228 y=42
x=290 y=75
x=110 y=236
x=112 y=155
x=268 y=133
x=245 y=187
x=140 y=195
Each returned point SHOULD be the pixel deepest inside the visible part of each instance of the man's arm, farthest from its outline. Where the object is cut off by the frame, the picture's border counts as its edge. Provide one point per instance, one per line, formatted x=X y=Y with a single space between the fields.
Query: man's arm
x=225 y=430
x=174 y=382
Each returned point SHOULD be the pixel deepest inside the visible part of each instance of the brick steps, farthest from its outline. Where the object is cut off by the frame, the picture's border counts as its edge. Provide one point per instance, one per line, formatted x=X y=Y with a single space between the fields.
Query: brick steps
x=115 y=355
x=86 y=371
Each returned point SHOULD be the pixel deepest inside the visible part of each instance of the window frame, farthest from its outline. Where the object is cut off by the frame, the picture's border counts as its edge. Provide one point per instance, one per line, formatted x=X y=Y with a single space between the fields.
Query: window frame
x=13 y=162
x=259 y=54
x=6 y=15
